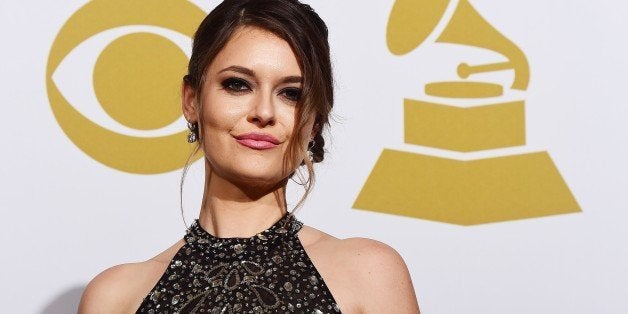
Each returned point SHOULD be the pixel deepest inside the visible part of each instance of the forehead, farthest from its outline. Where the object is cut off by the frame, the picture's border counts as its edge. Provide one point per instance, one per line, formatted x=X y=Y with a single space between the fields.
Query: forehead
x=259 y=50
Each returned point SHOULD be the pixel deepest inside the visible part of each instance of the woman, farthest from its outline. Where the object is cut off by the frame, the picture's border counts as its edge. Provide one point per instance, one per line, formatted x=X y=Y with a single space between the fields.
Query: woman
x=257 y=97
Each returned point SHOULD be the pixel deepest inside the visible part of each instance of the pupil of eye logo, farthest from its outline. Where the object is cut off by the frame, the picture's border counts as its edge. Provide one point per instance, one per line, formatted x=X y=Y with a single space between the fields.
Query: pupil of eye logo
x=136 y=81
x=138 y=86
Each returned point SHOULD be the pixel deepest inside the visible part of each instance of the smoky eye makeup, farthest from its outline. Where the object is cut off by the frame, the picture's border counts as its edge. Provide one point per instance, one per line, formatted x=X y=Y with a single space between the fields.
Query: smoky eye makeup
x=235 y=85
x=292 y=93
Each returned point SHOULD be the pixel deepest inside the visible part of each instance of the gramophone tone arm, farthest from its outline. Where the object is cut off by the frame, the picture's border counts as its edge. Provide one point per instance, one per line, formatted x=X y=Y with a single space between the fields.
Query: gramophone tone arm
x=465 y=70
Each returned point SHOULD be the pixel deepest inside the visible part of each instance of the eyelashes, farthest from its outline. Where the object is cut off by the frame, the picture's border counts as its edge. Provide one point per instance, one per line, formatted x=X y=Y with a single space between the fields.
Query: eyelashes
x=292 y=93
x=234 y=84
x=238 y=86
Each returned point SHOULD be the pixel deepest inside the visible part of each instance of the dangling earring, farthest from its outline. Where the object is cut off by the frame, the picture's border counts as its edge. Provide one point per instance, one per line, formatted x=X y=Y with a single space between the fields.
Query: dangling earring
x=310 y=145
x=192 y=135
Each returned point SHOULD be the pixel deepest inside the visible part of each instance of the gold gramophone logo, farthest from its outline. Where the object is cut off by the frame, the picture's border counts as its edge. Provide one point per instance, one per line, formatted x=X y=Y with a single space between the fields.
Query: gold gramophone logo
x=134 y=82
x=463 y=192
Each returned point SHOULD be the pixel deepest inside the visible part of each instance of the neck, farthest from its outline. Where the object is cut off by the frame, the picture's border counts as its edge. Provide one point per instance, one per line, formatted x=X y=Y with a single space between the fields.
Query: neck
x=229 y=210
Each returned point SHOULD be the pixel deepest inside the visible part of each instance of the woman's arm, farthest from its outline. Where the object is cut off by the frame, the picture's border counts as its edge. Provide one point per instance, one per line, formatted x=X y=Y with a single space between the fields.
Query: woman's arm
x=382 y=278
x=115 y=290
x=102 y=294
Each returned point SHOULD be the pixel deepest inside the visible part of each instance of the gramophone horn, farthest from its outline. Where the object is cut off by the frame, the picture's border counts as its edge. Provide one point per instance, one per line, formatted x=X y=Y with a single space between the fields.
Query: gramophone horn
x=468 y=27
x=411 y=21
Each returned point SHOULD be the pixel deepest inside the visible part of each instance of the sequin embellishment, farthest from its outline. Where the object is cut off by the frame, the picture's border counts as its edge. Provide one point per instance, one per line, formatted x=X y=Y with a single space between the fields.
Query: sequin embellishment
x=267 y=273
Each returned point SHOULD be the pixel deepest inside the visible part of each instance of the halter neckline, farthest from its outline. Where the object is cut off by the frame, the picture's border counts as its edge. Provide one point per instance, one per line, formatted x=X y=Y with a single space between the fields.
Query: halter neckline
x=287 y=224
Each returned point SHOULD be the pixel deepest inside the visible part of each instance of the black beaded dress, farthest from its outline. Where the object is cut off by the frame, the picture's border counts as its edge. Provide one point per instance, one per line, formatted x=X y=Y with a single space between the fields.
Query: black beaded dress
x=266 y=273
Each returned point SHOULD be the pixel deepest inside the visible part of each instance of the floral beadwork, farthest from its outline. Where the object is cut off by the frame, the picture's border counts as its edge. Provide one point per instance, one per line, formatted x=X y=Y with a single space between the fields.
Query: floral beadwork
x=267 y=273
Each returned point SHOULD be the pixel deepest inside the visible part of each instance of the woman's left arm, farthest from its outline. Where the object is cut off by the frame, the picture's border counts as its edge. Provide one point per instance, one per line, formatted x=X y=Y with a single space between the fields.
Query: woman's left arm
x=383 y=279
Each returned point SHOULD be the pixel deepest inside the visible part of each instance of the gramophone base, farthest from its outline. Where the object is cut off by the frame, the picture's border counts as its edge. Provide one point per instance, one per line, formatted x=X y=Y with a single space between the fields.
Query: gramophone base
x=470 y=129
x=466 y=192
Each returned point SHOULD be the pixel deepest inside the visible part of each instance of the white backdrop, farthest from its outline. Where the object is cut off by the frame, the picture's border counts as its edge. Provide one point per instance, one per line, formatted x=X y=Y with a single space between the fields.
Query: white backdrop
x=66 y=217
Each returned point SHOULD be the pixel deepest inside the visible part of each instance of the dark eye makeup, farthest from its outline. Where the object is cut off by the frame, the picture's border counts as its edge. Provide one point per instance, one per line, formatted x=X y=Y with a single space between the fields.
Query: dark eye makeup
x=234 y=84
x=292 y=93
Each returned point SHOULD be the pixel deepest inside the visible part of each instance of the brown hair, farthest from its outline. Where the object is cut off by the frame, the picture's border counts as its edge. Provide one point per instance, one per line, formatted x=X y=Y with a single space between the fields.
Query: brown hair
x=307 y=35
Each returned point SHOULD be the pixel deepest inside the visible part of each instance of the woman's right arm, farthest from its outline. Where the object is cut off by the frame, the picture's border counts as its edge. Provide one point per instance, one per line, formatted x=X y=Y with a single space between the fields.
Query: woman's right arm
x=112 y=291
x=122 y=288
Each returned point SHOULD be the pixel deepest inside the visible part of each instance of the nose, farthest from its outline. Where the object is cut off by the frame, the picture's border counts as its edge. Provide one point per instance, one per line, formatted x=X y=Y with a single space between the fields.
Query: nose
x=263 y=110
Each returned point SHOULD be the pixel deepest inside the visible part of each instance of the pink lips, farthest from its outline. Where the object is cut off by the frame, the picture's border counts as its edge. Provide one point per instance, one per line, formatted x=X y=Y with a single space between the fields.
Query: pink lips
x=257 y=140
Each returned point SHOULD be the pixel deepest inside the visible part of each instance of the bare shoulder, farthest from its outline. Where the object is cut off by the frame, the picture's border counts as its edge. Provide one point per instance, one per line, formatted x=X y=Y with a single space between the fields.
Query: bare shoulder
x=369 y=276
x=368 y=252
x=121 y=288
x=372 y=257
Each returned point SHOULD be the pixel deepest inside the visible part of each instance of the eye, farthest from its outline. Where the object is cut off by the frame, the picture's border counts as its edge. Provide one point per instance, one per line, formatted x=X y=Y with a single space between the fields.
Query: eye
x=75 y=75
x=292 y=93
x=235 y=84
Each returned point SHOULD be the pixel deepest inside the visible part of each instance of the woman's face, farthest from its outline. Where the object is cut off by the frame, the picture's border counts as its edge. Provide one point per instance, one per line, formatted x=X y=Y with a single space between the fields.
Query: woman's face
x=251 y=89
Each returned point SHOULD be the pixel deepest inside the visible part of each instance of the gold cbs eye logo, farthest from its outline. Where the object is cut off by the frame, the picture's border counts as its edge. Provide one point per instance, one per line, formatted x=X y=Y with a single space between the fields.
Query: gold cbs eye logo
x=136 y=81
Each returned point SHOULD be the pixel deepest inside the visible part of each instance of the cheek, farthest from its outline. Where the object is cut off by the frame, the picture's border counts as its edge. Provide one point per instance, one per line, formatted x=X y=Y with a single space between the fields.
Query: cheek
x=219 y=114
x=218 y=121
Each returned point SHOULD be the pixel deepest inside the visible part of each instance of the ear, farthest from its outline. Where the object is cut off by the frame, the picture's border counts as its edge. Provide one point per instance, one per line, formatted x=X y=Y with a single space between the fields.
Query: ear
x=188 y=103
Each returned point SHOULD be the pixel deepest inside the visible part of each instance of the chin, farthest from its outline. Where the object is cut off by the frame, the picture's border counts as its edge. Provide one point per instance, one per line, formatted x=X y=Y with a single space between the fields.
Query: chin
x=255 y=173
x=258 y=175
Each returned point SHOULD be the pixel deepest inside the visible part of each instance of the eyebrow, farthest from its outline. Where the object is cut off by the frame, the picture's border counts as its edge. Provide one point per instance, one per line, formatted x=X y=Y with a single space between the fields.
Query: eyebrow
x=249 y=72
